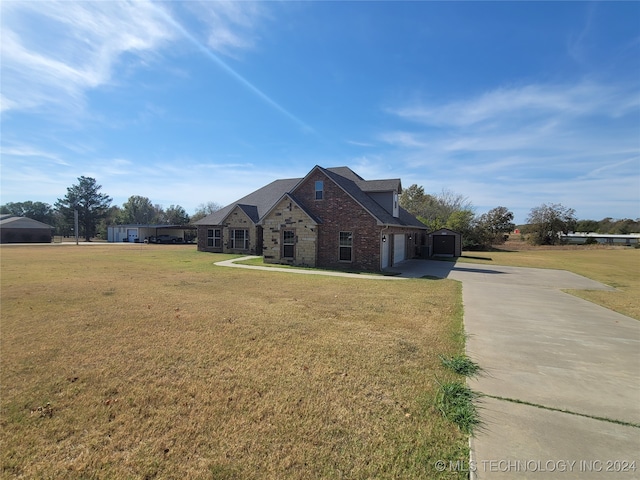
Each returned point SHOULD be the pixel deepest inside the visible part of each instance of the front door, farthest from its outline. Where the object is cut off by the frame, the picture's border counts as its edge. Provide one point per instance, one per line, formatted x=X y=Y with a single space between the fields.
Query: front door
x=384 y=245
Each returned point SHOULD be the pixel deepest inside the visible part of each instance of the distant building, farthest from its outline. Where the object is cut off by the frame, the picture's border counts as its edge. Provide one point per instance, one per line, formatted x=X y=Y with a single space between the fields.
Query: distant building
x=151 y=233
x=601 y=238
x=24 y=230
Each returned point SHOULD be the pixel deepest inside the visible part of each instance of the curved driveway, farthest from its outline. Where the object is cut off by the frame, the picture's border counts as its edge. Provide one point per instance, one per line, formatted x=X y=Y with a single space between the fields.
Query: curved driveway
x=561 y=375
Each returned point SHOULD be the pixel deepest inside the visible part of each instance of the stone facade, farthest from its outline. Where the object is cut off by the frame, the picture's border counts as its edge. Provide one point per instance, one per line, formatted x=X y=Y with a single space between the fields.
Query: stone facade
x=288 y=216
x=236 y=220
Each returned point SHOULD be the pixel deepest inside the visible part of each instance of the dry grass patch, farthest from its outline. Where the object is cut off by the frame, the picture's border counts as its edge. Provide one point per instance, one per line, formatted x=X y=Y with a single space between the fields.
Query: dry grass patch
x=147 y=361
x=614 y=266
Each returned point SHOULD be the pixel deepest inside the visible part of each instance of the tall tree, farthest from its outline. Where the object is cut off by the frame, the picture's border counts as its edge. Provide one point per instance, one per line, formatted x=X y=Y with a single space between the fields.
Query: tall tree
x=546 y=222
x=40 y=211
x=175 y=215
x=434 y=210
x=495 y=224
x=92 y=206
x=137 y=210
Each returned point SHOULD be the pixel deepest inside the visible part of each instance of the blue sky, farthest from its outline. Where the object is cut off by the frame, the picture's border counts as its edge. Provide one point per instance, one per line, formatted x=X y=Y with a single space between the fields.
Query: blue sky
x=508 y=103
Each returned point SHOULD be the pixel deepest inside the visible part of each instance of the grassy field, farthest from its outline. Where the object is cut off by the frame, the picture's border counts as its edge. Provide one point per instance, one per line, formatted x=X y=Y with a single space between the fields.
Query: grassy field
x=145 y=361
x=617 y=267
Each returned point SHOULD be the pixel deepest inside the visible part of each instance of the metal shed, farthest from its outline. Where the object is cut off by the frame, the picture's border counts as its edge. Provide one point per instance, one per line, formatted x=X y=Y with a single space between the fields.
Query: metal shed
x=445 y=243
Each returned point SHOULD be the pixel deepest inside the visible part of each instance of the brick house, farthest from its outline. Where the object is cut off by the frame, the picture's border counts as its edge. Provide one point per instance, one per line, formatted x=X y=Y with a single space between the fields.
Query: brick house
x=331 y=218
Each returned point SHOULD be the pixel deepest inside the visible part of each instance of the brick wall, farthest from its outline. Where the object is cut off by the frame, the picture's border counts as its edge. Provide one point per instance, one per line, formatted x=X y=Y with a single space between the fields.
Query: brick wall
x=340 y=213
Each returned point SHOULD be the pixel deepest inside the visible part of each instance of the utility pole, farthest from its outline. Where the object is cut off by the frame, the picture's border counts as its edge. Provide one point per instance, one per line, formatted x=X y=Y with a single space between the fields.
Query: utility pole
x=75 y=224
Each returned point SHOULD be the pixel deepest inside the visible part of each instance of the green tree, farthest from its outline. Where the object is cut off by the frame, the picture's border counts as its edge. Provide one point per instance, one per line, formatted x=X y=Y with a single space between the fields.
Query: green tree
x=494 y=225
x=40 y=211
x=414 y=200
x=138 y=210
x=588 y=226
x=92 y=206
x=546 y=222
x=175 y=215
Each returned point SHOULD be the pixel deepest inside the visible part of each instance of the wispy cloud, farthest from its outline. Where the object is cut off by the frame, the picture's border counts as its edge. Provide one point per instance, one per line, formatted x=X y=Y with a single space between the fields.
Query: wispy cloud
x=526 y=103
x=230 y=26
x=53 y=52
x=544 y=142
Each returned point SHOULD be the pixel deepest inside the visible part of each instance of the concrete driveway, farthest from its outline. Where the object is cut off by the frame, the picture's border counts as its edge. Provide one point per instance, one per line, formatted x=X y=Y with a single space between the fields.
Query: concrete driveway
x=573 y=365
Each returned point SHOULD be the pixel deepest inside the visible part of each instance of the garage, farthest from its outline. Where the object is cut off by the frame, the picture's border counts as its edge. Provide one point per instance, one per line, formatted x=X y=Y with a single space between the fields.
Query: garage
x=445 y=243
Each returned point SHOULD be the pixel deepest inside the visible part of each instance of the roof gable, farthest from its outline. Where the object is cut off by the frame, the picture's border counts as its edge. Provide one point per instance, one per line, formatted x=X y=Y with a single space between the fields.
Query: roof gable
x=261 y=201
x=292 y=198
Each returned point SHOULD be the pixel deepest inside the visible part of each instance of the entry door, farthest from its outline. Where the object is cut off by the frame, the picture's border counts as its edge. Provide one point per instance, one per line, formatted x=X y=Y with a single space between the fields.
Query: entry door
x=385 y=254
x=399 y=248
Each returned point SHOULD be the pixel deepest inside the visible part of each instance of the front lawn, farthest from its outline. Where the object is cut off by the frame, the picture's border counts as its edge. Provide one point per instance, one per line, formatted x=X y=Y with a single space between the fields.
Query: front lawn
x=144 y=361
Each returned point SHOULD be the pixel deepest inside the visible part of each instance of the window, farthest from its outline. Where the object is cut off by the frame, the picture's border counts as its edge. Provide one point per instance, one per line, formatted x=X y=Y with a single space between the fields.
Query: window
x=240 y=239
x=319 y=189
x=214 y=237
x=288 y=244
x=346 y=246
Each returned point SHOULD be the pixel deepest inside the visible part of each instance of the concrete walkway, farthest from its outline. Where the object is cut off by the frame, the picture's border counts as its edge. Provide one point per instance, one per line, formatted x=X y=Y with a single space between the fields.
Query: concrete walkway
x=561 y=375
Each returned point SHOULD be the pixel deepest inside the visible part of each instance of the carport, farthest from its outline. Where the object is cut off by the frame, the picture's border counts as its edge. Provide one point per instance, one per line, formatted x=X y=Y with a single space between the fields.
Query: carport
x=140 y=233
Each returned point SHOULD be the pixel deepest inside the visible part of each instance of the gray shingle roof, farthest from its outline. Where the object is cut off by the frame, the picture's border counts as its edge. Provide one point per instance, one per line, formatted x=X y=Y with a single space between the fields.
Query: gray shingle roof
x=258 y=203
x=262 y=200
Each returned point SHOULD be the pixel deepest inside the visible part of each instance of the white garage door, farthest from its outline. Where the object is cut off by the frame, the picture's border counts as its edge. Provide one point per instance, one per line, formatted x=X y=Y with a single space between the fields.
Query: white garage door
x=398 y=248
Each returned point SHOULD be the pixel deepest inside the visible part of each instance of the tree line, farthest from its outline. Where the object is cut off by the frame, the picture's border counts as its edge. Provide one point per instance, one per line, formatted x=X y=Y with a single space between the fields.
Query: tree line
x=544 y=225
x=444 y=210
x=95 y=211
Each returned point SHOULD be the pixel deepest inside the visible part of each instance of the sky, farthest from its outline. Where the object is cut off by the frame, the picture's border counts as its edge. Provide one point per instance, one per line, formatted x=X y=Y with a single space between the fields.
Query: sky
x=509 y=104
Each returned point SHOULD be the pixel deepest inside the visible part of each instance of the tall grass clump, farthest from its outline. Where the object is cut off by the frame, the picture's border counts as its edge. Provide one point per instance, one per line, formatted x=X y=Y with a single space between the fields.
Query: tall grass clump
x=455 y=400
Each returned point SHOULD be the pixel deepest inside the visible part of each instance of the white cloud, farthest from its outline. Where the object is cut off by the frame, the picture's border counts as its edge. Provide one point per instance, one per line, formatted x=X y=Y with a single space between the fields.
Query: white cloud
x=231 y=26
x=52 y=52
x=526 y=103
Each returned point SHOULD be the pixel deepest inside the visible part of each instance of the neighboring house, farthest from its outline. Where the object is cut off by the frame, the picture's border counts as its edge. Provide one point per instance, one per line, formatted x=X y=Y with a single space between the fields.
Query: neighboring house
x=24 y=230
x=331 y=218
x=445 y=243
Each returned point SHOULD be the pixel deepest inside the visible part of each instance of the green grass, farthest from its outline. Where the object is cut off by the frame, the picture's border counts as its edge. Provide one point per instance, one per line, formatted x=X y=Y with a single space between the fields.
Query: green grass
x=461 y=364
x=456 y=402
x=145 y=361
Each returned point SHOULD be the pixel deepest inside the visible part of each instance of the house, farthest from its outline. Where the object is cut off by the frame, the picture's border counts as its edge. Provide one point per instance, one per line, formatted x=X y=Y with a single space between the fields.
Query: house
x=331 y=218
x=24 y=230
